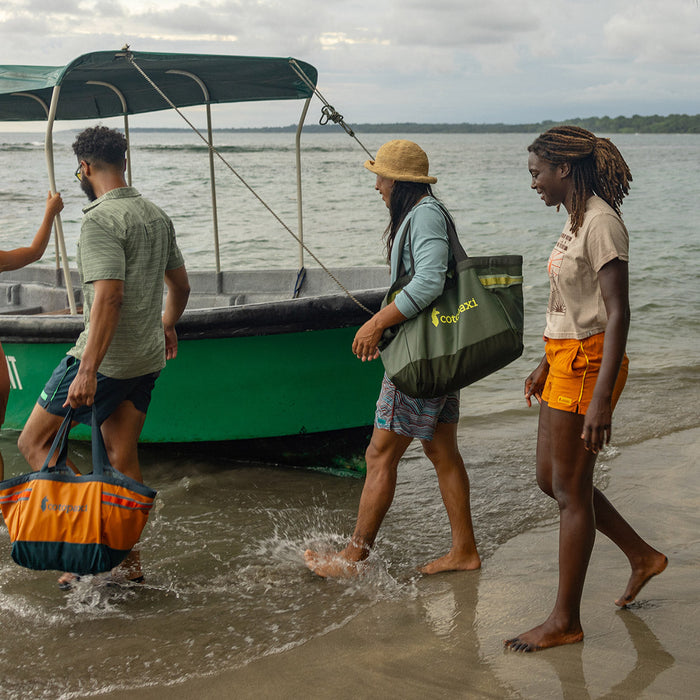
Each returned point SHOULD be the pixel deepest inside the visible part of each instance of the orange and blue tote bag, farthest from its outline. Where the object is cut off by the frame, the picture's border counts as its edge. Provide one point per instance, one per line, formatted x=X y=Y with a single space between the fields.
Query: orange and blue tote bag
x=68 y=522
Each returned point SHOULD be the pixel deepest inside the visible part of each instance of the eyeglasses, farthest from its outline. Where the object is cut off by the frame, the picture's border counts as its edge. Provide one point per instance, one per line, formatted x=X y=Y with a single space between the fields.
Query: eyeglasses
x=79 y=170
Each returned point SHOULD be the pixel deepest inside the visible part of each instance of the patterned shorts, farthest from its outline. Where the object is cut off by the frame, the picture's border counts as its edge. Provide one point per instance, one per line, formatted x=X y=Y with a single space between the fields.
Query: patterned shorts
x=416 y=418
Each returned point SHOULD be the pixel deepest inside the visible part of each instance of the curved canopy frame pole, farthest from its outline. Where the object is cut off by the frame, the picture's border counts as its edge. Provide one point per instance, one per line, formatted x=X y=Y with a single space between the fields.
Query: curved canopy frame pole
x=48 y=152
x=212 y=179
x=122 y=99
x=300 y=215
x=46 y=110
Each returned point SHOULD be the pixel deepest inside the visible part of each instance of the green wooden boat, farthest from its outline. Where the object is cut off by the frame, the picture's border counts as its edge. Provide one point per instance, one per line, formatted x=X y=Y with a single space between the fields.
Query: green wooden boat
x=264 y=363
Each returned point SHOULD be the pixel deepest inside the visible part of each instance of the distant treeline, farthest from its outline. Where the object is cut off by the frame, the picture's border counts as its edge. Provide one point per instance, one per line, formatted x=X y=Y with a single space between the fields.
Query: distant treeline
x=671 y=124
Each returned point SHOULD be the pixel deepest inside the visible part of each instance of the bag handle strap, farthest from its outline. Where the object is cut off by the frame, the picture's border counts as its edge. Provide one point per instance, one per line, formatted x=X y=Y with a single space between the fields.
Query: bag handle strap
x=60 y=444
x=458 y=252
x=100 y=461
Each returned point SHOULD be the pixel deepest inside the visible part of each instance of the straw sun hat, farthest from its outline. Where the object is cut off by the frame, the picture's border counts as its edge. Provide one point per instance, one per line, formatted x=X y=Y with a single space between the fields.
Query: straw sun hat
x=401 y=160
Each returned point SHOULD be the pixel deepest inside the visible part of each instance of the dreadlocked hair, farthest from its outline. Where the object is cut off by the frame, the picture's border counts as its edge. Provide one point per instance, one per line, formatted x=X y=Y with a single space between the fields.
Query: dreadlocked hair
x=596 y=166
x=404 y=196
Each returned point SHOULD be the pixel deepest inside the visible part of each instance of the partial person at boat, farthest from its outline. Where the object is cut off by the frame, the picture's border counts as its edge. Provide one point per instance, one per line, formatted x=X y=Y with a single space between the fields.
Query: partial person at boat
x=583 y=372
x=127 y=248
x=404 y=184
x=14 y=260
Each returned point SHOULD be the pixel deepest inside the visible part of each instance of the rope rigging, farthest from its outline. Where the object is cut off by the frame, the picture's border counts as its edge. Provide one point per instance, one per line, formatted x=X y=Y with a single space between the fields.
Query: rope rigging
x=337 y=119
x=328 y=111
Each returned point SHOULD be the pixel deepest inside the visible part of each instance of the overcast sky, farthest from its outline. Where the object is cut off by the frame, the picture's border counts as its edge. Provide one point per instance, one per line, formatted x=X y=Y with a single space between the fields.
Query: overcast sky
x=406 y=60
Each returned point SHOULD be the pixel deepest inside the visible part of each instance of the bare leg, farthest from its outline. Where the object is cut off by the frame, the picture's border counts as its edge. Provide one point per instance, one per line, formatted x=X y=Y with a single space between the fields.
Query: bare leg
x=66 y=580
x=646 y=562
x=130 y=568
x=37 y=435
x=564 y=470
x=129 y=571
x=443 y=452
x=383 y=454
x=121 y=431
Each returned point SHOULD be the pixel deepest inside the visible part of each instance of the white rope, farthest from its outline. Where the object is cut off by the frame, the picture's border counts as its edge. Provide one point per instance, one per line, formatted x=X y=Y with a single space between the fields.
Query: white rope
x=328 y=112
x=129 y=56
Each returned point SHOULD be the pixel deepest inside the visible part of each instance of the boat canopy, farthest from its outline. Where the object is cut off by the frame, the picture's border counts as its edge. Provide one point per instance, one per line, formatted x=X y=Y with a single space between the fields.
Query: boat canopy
x=87 y=83
x=119 y=83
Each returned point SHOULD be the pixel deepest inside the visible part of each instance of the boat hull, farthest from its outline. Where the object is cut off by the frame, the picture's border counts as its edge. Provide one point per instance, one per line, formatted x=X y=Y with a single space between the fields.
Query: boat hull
x=279 y=378
x=271 y=374
x=231 y=388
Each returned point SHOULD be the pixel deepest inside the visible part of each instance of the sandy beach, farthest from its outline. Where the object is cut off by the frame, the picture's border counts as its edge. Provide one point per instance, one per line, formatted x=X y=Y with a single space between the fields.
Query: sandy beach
x=447 y=642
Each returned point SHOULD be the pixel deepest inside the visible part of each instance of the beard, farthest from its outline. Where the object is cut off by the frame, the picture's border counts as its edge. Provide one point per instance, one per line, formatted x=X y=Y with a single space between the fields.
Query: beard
x=86 y=187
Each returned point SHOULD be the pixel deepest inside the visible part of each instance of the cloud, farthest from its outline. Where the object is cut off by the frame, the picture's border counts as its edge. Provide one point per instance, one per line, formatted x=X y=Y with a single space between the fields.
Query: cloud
x=413 y=60
x=649 y=32
x=462 y=23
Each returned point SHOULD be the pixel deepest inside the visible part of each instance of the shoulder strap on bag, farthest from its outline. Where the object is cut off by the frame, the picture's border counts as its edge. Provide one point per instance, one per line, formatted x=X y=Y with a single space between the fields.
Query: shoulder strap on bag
x=458 y=252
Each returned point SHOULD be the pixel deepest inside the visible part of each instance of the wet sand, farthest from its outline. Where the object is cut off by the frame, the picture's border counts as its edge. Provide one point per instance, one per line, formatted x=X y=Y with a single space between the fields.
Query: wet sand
x=447 y=641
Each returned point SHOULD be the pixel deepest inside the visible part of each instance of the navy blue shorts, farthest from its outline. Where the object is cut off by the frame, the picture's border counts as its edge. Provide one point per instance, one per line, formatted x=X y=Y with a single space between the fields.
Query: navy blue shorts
x=110 y=392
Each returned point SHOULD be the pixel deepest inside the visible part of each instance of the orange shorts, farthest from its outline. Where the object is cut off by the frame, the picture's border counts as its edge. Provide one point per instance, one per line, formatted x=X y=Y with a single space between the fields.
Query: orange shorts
x=573 y=372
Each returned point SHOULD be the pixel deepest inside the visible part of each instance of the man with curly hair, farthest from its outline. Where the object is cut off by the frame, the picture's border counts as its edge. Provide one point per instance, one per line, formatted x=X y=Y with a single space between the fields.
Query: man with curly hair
x=127 y=248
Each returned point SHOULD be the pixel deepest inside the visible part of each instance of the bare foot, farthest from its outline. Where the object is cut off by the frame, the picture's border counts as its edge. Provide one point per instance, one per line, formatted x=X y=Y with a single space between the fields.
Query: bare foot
x=125 y=575
x=66 y=581
x=641 y=575
x=543 y=637
x=453 y=562
x=334 y=565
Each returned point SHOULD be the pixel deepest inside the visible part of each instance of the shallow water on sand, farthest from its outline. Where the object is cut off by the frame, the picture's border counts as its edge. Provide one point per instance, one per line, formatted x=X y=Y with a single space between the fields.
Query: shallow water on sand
x=226 y=582
x=222 y=553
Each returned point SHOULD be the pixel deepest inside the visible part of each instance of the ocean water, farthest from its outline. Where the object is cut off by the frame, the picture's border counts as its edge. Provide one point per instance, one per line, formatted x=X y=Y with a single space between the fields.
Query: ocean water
x=226 y=582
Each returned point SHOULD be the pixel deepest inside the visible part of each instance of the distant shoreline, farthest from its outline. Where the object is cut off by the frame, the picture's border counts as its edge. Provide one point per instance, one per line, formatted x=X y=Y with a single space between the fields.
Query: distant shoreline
x=671 y=124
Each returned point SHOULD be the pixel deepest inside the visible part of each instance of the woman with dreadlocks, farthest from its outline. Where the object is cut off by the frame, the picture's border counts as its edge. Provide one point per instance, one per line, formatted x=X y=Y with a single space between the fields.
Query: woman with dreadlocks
x=584 y=369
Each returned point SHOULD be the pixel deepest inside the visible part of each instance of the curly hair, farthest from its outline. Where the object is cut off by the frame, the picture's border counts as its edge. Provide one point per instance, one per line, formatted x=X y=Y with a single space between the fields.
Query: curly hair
x=101 y=144
x=596 y=166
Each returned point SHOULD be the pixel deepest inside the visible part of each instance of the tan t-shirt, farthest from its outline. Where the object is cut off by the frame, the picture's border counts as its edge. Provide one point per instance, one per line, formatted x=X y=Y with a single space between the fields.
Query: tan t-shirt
x=576 y=308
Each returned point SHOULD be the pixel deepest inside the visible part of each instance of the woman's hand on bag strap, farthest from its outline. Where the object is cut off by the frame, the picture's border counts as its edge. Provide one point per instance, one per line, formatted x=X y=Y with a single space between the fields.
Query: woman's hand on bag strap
x=364 y=346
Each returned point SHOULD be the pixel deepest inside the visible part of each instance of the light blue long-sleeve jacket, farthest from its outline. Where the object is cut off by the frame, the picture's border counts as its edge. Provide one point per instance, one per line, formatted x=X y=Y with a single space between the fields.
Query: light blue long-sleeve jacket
x=431 y=251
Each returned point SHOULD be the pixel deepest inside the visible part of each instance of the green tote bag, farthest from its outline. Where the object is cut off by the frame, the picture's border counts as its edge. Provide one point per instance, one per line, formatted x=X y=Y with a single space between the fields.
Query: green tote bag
x=474 y=328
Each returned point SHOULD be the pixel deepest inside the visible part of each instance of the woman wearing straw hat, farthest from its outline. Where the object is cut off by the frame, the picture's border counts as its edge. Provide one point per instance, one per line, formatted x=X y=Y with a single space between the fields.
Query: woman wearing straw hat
x=404 y=185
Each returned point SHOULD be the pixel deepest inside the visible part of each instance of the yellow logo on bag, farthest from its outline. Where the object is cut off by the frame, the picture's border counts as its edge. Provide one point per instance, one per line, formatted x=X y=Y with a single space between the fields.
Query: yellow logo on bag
x=437 y=318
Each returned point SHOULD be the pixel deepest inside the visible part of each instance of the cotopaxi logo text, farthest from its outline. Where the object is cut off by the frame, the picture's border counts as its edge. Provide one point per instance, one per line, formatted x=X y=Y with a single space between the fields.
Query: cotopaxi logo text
x=438 y=318
x=62 y=507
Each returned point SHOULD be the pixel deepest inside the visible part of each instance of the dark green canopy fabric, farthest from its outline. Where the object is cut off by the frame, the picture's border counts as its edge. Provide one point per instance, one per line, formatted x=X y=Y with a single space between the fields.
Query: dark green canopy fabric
x=227 y=78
